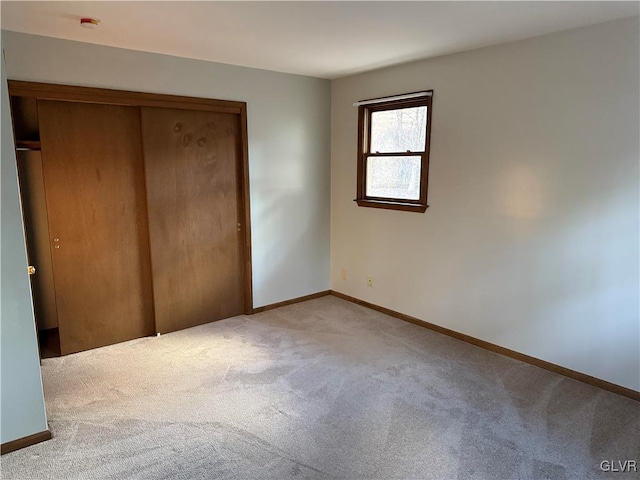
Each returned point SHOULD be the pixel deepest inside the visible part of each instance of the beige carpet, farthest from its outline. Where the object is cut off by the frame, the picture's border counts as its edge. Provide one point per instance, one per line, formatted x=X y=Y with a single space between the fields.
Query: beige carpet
x=321 y=389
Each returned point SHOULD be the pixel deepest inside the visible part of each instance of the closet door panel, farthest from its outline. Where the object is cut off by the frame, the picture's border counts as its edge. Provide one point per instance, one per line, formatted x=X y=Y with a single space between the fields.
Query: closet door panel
x=94 y=182
x=192 y=164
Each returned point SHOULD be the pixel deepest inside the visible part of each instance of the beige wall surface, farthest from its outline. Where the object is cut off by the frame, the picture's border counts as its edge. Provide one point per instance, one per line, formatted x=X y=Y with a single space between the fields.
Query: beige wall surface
x=531 y=238
x=289 y=139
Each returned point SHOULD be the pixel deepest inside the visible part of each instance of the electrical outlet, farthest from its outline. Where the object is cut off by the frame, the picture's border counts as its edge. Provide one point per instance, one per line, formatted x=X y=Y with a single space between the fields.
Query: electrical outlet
x=369 y=281
x=343 y=274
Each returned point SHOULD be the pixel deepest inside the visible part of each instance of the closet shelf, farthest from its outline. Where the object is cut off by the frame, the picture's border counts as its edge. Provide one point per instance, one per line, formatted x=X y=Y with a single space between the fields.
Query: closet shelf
x=28 y=144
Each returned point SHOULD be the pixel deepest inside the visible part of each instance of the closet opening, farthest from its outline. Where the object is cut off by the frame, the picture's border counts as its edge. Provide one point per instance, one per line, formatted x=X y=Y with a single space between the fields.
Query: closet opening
x=136 y=212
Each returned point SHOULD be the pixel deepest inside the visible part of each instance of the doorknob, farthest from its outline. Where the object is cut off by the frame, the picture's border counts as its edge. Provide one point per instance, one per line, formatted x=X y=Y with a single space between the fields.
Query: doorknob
x=31 y=269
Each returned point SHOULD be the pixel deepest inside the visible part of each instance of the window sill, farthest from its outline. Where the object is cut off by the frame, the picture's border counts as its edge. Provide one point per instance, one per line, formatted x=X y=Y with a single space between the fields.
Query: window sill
x=407 y=207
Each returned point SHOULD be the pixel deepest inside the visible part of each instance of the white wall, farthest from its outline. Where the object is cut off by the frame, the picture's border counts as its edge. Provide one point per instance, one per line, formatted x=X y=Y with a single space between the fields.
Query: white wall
x=22 y=404
x=289 y=139
x=531 y=239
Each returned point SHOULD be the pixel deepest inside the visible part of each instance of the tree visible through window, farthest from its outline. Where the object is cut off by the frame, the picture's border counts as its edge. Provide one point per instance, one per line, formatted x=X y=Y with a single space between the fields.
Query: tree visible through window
x=393 y=153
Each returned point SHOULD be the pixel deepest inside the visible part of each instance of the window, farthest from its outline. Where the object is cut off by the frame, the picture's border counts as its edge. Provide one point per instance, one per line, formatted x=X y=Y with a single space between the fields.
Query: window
x=393 y=152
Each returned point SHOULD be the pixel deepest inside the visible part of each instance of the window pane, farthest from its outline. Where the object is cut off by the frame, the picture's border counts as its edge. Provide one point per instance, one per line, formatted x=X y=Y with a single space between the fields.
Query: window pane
x=393 y=177
x=399 y=130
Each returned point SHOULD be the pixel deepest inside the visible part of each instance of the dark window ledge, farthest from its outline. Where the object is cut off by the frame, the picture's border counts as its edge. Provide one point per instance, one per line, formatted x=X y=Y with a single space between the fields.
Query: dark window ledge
x=407 y=207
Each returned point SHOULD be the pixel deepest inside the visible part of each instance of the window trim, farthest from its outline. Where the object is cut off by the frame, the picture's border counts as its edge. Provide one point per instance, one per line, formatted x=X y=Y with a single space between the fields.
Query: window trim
x=364 y=142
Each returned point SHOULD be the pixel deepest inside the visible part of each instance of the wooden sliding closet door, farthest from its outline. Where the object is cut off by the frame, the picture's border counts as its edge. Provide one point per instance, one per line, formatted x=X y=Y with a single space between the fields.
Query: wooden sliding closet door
x=192 y=165
x=94 y=181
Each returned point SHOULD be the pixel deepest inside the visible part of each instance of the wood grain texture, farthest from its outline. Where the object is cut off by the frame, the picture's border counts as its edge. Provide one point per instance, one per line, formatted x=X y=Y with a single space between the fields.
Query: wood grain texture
x=196 y=222
x=50 y=91
x=552 y=367
x=245 y=197
x=94 y=180
x=25 y=442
